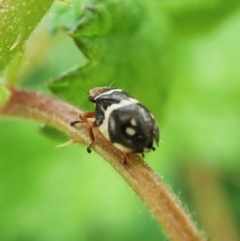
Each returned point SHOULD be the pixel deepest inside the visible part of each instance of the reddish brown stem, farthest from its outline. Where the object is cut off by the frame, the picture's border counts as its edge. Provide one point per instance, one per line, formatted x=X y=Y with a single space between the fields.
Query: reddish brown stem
x=149 y=187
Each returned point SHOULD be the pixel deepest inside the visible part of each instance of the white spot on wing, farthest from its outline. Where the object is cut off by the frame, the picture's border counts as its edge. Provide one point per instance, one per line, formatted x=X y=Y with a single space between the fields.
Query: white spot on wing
x=133 y=122
x=130 y=131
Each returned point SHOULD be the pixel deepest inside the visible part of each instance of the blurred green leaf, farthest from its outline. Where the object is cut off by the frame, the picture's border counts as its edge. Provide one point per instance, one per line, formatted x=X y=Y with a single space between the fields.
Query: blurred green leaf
x=4 y=95
x=53 y=133
x=18 y=20
x=96 y=20
x=64 y=17
x=191 y=17
x=13 y=69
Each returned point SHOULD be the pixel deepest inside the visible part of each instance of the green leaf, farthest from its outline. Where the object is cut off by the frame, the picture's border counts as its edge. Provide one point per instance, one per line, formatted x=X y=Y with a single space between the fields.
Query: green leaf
x=120 y=49
x=191 y=17
x=64 y=17
x=95 y=22
x=4 y=95
x=74 y=85
x=18 y=20
x=53 y=133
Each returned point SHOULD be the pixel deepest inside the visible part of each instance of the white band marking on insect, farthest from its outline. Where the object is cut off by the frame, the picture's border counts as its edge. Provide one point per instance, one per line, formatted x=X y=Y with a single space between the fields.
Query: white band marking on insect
x=108 y=92
x=104 y=126
x=122 y=148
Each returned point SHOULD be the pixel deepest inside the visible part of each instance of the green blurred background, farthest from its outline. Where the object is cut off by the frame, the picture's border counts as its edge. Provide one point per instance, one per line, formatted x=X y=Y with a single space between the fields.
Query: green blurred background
x=182 y=61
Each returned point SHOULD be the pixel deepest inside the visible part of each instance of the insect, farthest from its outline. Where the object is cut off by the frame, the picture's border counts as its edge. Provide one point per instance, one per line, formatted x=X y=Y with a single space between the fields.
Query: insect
x=124 y=121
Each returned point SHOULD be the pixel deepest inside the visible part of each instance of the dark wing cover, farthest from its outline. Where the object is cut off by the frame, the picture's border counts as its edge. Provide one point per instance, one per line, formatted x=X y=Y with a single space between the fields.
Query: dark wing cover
x=144 y=130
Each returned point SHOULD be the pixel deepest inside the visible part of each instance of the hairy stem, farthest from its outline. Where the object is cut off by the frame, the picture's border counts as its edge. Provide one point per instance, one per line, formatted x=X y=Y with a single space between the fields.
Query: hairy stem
x=148 y=186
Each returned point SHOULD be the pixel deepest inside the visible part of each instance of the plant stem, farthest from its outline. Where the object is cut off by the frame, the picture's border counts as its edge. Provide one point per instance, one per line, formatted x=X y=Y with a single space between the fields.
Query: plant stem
x=148 y=186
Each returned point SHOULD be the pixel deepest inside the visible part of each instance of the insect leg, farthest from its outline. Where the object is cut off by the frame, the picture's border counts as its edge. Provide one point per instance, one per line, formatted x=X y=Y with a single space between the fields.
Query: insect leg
x=86 y=115
x=92 y=137
x=73 y=123
x=84 y=119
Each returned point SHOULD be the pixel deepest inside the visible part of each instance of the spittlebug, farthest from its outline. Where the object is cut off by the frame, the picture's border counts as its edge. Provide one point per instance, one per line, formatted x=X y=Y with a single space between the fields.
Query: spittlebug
x=124 y=121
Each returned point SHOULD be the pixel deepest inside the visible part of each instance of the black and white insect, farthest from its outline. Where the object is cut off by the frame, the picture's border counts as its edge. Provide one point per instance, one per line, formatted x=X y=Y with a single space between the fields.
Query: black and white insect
x=124 y=121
